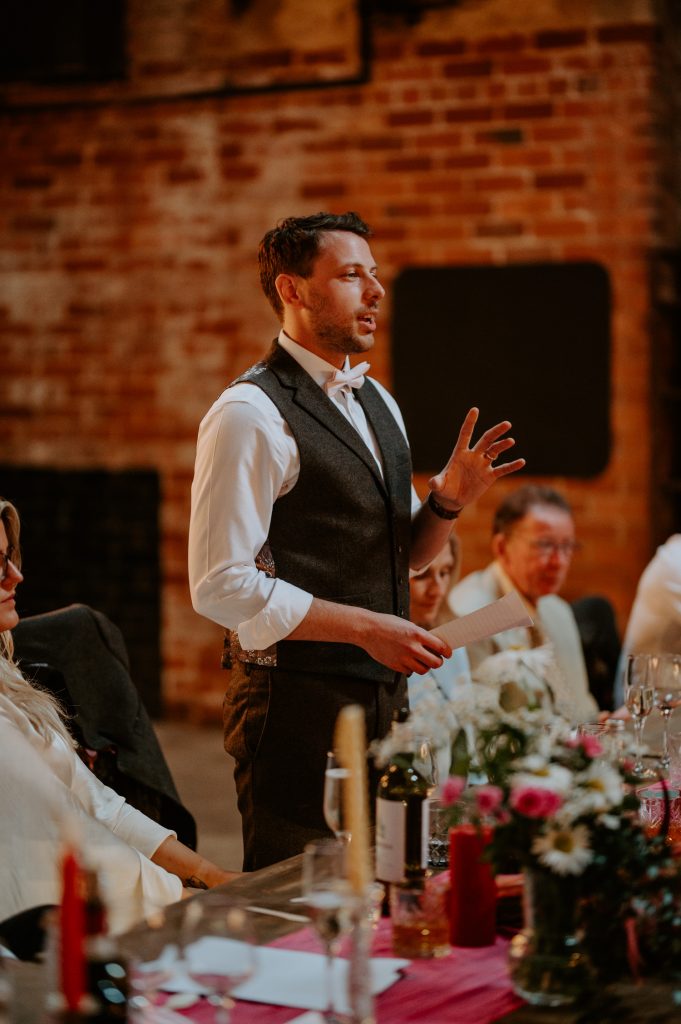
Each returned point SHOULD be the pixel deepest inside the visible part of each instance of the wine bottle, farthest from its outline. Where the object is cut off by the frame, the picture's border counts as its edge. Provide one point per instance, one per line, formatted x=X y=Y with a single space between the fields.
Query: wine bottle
x=401 y=814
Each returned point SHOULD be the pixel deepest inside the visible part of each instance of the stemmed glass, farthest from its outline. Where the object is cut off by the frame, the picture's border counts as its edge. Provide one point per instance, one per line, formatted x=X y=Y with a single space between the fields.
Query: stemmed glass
x=152 y=954
x=328 y=896
x=639 y=697
x=335 y=811
x=425 y=762
x=218 y=942
x=666 y=678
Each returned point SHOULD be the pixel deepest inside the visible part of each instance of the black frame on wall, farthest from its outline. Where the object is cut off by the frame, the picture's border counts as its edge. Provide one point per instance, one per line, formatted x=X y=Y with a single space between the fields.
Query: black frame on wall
x=92 y=537
x=526 y=342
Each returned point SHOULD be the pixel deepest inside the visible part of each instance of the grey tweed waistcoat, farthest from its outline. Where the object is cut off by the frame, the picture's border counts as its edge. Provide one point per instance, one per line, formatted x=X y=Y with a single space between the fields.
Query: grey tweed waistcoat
x=343 y=532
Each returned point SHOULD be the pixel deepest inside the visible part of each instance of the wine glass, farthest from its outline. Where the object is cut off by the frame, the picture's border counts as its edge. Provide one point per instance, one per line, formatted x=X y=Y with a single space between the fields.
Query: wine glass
x=666 y=678
x=328 y=896
x=152 y=954
x=218 y=942
x=425 y=762
x=639 y=698
x=335 y=810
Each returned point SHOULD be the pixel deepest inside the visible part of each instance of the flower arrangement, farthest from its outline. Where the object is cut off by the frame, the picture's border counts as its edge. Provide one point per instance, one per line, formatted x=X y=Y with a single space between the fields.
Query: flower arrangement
x=523 y=678
x=563 y=808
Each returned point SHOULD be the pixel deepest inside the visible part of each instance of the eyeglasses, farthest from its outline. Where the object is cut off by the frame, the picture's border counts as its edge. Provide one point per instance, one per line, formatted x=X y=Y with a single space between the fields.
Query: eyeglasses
x=5 y=558
x=545 y=548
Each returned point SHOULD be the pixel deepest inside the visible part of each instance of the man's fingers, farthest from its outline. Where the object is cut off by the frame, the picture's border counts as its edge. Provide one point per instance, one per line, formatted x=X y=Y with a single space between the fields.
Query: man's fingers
x=432 y=643
x=467 y=428
x=508 y=467
x=491 y=435
x=424 y=662
x=498 y=447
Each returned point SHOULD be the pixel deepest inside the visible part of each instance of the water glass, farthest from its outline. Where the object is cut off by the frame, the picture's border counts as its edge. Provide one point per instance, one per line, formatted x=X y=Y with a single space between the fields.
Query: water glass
x=218 y=947
x=438 y=837
x=639 y=697
x=330 y=901
x=420 y=922
x=666 y=678
x=335 y=798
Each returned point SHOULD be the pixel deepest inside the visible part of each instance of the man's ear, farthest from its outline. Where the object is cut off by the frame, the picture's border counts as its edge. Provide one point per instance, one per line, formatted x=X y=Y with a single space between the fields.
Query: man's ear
x=499 y=541
x=287 y=287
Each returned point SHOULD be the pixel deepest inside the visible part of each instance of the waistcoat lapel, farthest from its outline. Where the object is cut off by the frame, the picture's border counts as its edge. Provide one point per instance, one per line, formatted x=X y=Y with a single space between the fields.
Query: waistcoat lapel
x=309 y=396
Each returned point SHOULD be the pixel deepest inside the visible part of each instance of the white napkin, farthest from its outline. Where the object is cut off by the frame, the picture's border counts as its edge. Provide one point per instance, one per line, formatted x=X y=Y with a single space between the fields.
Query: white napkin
x=285 y=977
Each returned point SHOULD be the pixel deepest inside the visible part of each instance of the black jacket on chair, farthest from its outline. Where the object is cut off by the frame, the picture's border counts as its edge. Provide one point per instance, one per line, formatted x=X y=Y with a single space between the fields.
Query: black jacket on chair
x=80 y=656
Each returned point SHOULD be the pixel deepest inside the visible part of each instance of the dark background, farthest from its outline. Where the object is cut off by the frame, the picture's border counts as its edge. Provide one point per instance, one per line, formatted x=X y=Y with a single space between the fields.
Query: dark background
x=529 y=343
x=91 y=537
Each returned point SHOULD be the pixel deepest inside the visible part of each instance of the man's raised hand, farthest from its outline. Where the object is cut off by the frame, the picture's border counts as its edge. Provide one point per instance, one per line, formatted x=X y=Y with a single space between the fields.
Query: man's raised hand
x=471 y=470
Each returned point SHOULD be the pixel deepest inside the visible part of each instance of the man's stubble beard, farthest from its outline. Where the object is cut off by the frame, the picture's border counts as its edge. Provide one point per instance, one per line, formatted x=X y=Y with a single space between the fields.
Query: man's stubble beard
x=344 y=342
x=337 y=337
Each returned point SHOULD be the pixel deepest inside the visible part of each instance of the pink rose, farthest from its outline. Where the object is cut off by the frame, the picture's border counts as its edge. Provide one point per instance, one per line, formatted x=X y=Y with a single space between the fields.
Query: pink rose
x=488 y=798
x=535 y=802
x=592 y=746
x=451 y=789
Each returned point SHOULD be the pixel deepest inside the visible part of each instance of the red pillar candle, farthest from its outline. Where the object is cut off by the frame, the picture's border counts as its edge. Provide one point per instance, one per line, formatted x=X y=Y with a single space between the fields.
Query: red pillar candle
x=72 y=932
x=473 y=897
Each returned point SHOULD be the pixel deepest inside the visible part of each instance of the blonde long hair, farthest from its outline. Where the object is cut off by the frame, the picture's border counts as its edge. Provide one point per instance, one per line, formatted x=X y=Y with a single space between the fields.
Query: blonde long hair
x=39 y=707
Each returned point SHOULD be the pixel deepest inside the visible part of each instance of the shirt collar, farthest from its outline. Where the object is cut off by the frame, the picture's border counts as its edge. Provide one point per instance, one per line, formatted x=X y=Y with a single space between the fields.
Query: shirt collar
x=506 y=585
x=318 y=368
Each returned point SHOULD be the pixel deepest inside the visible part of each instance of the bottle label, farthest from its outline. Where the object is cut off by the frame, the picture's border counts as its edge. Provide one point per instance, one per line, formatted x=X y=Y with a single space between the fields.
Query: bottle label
x=390 y=840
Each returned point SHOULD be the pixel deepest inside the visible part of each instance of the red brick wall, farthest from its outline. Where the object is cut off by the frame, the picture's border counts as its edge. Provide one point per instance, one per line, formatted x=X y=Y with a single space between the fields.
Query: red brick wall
x=495 y=133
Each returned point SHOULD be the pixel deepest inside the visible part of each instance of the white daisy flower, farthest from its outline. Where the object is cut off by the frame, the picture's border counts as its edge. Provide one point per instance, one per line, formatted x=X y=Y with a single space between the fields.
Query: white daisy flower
x=548 y=776
x=600 y=786
x=610 y=821
x=564 y=850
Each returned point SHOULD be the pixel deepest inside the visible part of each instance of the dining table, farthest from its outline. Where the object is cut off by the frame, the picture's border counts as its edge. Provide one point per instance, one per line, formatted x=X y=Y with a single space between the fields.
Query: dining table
x=466 y=986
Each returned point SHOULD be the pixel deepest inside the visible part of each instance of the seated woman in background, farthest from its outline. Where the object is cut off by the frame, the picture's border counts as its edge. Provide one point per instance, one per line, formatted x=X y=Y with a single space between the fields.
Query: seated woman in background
x=48 y=796
x=428 y=590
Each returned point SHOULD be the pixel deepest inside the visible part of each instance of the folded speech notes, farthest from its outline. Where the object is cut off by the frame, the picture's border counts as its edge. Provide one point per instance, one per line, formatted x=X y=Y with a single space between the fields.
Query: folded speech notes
x=508 y=612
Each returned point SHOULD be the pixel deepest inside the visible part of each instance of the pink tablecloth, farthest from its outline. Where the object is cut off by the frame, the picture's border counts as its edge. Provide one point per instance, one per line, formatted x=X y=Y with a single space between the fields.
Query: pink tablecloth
x=470 y=986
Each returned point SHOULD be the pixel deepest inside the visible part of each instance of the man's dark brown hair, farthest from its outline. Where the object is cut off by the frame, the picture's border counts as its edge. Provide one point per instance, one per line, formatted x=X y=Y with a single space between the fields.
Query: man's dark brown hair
x=291 y=247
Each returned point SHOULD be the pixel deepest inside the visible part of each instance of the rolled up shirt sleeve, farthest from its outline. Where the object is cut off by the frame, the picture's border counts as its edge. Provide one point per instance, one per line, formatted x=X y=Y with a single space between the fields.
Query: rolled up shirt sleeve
x=246 y=458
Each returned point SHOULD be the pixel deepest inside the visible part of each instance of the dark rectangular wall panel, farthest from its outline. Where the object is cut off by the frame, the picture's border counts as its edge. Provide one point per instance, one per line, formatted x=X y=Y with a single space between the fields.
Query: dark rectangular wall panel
x=529 y=343
x=92 y=537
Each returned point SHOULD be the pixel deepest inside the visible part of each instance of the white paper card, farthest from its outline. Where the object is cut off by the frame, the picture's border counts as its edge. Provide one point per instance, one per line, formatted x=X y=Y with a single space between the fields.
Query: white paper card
x=284 y=977
x=508 y=612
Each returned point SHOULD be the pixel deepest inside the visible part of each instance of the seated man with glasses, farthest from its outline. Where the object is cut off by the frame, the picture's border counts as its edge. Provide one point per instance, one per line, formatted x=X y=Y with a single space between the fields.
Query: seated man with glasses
x=533 y=541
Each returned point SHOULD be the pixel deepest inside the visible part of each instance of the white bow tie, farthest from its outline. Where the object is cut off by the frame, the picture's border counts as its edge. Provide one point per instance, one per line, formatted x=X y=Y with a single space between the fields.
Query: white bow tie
x=346 y=380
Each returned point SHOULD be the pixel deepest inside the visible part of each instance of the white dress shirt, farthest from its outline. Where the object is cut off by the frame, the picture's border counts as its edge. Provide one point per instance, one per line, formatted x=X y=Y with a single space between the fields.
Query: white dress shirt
x=246 y=458
x=654 y=624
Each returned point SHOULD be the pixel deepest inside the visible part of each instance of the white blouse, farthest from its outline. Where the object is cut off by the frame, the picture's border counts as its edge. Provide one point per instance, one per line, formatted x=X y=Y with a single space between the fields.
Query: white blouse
x=48 y=796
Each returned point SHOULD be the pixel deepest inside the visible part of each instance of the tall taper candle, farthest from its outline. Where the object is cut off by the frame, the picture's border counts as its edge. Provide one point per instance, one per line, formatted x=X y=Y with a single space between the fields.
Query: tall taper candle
x=350 y=745
x=72 y=931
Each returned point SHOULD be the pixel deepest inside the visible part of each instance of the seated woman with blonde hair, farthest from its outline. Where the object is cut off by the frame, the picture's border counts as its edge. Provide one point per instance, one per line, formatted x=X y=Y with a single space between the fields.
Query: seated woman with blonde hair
x=48 y=796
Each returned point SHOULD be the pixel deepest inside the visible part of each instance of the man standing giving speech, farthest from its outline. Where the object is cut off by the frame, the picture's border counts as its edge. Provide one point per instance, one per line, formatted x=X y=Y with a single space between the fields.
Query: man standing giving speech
x=304 y=528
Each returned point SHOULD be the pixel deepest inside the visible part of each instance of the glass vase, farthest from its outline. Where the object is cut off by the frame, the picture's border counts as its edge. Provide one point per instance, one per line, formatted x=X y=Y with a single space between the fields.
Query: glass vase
x=548 y=965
